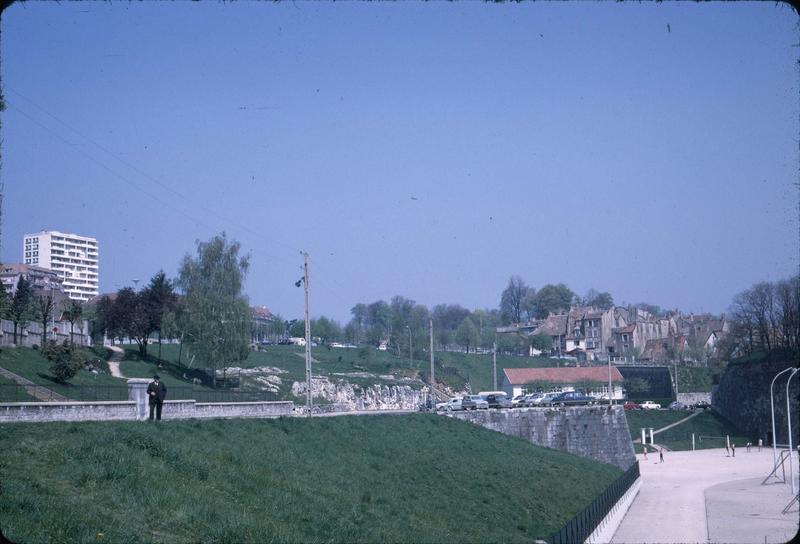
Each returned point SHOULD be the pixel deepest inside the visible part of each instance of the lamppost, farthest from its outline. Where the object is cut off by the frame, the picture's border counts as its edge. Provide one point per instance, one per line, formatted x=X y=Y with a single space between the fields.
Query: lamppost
x=410 y=348
x=789 y=428
x=772 y=410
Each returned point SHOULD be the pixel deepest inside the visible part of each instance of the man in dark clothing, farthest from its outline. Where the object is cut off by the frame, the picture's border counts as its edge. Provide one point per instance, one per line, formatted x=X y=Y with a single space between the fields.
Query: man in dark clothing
x=156 y=392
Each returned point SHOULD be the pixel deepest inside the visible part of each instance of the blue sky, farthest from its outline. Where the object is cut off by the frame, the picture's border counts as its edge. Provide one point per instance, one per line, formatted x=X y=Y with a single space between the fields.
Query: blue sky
x=428 y=150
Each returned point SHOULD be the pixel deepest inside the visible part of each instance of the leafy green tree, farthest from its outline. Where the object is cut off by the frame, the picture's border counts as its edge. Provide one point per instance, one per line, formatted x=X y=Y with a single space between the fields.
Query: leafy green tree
x=44 y=307
x=158 y=298
x=3 y=299
x=20 y=309
x=603 y=301
x=541 y=342
x=277 y=327
x=467 y=333
x=327 y=330
x=297 y=328
x=636 y=385
x=73 y=312
x=216 y=320
x=552 y=298
x=511 y=300
x=132 y=317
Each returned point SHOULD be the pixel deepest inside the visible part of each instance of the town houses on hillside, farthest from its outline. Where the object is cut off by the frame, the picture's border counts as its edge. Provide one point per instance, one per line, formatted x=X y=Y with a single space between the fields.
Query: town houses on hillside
x=625 y=334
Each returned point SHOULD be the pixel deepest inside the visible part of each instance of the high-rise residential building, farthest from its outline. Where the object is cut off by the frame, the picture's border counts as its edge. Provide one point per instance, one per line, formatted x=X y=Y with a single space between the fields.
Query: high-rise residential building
x=73 y=257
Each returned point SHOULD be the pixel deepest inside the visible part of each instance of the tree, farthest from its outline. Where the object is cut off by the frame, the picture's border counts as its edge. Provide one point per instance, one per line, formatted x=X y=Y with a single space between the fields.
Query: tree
x=44 y=307
x=132 y=317
x=552 y=298
x=603 y=301
x=542 y=342
x=297 y=328
x=73 y=312
x=216 y=322
x=511 y=300
x=327 y=330
x=158 y=298
x=21 y=305
x=467 y=333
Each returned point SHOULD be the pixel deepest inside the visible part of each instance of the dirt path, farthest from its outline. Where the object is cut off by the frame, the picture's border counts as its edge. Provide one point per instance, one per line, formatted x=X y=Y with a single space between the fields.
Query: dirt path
x=113 y=363
x=303 y=355
x=37 y=391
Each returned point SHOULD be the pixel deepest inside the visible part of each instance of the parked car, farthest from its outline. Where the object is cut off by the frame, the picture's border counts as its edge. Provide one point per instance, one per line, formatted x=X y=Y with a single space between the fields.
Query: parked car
x=650 y=405
x=702 y=405
x=457 y=403
x=427 y=406
x=480 y=402
x=630 y=405
x=675 y=405
x=518 y=400
x=499 y=401
x=544 y=400
x=572 y=398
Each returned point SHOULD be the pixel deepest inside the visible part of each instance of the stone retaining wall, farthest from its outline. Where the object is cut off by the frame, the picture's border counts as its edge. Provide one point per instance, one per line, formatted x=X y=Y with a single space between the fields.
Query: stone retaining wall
x=694 y=398
x=598 y=432
x=18 y=412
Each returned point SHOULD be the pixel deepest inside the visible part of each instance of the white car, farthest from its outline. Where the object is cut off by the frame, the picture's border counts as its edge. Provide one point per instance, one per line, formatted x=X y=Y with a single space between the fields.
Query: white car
x=650 y=405
x=451 y=405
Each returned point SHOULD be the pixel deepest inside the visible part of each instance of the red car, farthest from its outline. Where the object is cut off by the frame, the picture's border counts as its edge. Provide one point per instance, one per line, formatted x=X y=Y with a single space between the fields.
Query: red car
x=630 y=405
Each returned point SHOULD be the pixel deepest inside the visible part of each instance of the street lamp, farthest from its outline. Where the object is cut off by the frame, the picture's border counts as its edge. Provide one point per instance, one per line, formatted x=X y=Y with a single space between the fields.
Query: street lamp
x=410 y=348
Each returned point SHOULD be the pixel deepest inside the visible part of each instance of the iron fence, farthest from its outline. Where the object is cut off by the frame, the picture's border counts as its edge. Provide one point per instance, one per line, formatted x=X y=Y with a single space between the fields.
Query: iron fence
x=578 y=529
x=90 y=393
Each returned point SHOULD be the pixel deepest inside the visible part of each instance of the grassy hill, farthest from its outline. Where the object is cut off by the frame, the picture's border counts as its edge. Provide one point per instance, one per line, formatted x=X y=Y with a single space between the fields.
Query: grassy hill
x=415 y=478
x=453 y=369
x=709 y=428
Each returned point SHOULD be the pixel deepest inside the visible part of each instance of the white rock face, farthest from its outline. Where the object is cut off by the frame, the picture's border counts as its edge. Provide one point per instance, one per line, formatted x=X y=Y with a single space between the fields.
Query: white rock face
x=354 y=397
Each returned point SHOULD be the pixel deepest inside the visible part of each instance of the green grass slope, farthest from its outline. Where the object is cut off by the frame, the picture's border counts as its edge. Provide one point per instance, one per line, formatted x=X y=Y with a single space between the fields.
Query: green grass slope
x=709 y=429
x=29 y=363
x=414 y=478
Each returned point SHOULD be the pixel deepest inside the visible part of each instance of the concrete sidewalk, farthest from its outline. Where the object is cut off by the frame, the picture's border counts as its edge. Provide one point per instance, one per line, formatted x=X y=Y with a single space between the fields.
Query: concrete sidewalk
x=704 y=496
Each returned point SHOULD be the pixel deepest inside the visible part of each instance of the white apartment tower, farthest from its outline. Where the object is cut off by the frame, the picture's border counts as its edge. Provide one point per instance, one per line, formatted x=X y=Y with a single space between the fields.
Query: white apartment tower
x=73 y=257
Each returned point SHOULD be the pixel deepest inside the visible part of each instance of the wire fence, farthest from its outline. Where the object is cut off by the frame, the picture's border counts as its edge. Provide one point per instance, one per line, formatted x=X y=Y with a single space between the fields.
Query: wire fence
x=582 y=525
x=92 y=393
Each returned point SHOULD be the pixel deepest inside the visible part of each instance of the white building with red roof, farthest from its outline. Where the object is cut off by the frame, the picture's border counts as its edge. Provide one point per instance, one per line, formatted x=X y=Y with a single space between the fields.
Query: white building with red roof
x=592 y=380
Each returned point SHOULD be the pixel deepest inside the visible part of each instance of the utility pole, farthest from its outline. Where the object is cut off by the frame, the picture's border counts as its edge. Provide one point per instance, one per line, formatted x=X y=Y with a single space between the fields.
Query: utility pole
x=308 y=336
x=609 y=381
x=494 y=366
x=433 y=381
x=410 y=349
x=676 y=379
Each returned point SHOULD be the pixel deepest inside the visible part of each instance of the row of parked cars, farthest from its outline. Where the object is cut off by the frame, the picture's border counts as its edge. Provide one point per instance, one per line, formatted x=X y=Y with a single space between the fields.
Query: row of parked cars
x=484 y=401
x=674 y=405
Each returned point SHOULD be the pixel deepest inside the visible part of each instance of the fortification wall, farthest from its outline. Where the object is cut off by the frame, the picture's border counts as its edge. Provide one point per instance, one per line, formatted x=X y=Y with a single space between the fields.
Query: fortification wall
x=597 y=432
x=743 y=397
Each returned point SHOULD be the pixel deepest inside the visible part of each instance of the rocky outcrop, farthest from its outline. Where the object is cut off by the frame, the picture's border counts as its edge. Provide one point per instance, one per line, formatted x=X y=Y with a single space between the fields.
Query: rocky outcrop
x=345 y=396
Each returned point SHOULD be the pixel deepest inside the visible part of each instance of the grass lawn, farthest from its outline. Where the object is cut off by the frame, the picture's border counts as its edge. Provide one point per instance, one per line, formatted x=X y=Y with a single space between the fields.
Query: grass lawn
x=415 y=478
x=454 y=369
x=30 y=364
x=10 y=392
x=709 y=428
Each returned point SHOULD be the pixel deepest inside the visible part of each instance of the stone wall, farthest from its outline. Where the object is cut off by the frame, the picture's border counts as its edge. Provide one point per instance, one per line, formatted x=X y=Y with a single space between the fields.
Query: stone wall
x=743 y=397
x=598 y=432
x=128 y=410
x=32 y=333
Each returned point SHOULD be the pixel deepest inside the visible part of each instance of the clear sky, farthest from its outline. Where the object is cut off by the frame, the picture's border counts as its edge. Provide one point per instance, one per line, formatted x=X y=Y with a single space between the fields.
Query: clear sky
x=424 y=149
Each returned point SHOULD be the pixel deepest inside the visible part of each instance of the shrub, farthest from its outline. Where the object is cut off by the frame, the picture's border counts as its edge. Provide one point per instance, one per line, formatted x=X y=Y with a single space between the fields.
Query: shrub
x=66 y=361
x=35 y=347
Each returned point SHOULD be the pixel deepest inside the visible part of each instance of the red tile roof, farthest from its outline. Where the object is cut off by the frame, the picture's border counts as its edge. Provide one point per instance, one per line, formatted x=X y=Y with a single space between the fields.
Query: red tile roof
x=518 y=376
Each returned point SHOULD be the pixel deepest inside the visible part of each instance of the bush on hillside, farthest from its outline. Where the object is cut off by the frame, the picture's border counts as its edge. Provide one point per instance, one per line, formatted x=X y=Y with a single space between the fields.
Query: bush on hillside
x=65 y=358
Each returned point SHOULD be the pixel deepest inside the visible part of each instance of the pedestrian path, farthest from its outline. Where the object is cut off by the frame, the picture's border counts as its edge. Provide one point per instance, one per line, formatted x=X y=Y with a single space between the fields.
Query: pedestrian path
x=113 y=364
x=704 y=496
x=38 y=392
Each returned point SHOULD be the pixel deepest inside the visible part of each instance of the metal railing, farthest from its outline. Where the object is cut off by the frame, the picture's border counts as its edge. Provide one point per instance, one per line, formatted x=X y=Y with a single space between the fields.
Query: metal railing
x=578 y=529
x=90 y=393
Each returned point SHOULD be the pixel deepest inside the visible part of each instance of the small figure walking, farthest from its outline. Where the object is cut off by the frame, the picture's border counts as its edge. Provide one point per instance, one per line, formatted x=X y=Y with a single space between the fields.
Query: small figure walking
x=748 y=446
x=733 y=449
x=645 y=452
x=157 y=392
x=727 y=450
x=661 y=455
x=760 y=443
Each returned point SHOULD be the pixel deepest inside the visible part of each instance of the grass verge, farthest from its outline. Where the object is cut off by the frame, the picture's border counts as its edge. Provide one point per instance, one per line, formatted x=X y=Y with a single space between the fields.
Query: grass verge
x=709 y=428
x=415 y=478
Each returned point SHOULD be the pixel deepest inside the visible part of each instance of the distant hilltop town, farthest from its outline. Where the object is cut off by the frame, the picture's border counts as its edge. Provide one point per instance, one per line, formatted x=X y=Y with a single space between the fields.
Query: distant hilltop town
x=623 y=335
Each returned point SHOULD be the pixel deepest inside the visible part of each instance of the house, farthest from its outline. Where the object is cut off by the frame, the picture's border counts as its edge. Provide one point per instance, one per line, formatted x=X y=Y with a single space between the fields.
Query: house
x=261 y=321
x=592 y=380
x=662 y=350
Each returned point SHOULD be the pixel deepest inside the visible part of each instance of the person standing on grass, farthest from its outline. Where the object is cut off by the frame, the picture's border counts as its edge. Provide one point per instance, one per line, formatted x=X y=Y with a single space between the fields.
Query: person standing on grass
x=156 y=392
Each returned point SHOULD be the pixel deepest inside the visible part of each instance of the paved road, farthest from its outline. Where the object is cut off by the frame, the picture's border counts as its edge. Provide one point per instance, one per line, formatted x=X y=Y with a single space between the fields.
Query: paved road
x=704 y=496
